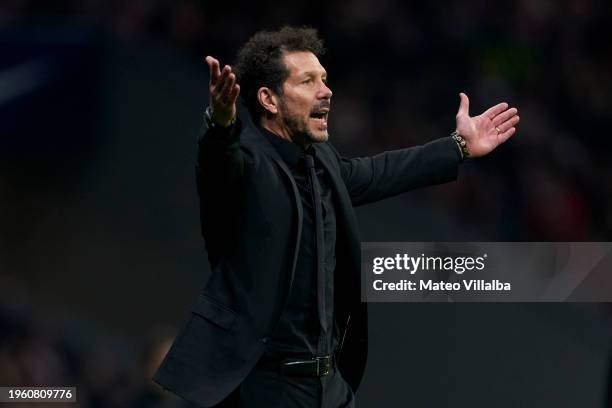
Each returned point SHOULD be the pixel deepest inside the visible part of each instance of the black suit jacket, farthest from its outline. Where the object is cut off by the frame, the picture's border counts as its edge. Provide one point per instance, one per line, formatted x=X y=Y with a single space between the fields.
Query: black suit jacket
x=251 y=217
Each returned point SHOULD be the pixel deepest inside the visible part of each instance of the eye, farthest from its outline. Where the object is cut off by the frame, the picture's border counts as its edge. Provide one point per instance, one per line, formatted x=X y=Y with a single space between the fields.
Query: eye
x=307 y=81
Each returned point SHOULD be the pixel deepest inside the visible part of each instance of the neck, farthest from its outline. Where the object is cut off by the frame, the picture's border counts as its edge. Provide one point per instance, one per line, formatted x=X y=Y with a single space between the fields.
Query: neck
x=279 y=130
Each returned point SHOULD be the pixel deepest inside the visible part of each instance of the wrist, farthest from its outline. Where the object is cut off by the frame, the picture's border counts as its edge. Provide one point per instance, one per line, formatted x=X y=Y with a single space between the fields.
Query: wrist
x=214 y=122
x=461 y=144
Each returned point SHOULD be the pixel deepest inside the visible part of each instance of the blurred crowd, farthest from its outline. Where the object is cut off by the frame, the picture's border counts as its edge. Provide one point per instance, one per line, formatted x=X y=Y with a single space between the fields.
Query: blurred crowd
x=396 y=69
x=46 y=348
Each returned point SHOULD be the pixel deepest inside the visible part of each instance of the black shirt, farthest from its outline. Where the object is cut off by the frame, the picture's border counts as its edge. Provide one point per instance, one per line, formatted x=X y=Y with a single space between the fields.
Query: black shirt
x=306 y=326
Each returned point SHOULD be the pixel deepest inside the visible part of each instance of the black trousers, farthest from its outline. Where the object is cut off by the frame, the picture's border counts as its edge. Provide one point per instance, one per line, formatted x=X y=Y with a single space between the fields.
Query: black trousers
x=269 y=389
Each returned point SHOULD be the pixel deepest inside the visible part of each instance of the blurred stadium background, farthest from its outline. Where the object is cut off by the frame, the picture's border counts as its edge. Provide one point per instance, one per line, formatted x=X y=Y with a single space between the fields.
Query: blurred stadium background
x=100 y=249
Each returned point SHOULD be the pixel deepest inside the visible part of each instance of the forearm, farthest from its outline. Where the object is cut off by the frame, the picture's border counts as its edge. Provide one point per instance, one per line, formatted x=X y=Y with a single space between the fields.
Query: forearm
x=385 y=175
x=220 y=159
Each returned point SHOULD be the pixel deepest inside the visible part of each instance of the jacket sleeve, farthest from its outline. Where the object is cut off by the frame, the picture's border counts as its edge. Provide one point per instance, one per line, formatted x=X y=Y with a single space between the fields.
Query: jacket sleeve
x=220 y=159
x=221 y=173
x=369 y=179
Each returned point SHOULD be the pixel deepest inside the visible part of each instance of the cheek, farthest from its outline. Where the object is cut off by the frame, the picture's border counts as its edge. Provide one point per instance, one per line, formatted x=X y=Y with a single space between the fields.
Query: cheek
x=299 y=104
x=299 y=107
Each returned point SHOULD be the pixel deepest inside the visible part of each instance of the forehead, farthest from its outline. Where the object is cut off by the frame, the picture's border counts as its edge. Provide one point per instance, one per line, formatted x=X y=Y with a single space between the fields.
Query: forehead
x=302 y=62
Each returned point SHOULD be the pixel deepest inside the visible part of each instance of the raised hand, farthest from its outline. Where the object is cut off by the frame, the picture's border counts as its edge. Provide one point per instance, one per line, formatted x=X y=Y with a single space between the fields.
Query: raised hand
x=223 y=92
x=485 y=132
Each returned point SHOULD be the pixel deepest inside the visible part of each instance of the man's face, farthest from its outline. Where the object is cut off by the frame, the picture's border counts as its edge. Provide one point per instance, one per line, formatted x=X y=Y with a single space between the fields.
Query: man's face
x=305 y=102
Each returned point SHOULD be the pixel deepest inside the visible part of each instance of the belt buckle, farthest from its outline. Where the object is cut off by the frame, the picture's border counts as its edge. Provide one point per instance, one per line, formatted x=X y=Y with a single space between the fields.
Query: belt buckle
x=325 y=367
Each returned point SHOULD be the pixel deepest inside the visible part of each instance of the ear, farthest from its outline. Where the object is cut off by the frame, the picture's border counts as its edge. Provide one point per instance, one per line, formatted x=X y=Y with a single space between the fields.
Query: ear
x=268 y=100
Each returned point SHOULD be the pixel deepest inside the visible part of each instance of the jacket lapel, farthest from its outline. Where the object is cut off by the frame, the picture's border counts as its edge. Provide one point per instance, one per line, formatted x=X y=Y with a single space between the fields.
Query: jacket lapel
x=252 y=135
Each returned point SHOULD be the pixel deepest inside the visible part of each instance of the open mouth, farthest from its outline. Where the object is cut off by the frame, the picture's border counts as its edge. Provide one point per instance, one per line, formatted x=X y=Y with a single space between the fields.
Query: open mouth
x=320 y=115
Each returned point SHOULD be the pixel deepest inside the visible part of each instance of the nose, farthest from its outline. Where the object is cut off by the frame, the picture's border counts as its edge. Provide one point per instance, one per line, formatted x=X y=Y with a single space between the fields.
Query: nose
x=325 y=92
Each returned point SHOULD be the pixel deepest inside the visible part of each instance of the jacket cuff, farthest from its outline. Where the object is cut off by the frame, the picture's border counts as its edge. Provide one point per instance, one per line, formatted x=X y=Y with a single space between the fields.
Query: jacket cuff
x=220 y=135
x=445 y=153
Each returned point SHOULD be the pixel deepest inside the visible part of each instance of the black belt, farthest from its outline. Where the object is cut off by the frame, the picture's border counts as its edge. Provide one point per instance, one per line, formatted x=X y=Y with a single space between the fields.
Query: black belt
x=314 y=367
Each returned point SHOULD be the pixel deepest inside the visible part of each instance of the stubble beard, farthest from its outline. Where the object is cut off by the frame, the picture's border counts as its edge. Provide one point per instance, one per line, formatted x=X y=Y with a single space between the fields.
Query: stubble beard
x=298 y=128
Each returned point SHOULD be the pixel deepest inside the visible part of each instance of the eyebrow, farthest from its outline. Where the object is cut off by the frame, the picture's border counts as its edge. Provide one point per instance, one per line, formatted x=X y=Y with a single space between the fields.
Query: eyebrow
x=314 y=73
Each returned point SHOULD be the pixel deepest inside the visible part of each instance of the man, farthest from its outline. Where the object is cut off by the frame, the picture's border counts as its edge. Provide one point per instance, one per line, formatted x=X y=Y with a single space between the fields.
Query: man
x=280 y=323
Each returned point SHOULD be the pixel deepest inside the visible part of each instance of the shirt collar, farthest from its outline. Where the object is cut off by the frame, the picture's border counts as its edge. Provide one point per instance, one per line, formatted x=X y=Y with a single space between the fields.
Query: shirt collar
x=289 y=151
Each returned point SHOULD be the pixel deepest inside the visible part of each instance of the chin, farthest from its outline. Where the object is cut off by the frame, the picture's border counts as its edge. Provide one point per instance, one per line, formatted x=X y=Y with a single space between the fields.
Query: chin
x=319 y=136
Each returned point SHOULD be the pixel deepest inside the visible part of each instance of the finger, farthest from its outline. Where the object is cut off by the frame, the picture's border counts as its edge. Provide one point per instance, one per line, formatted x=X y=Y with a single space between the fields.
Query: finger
x=508 y=124
x=228 y=83
x=234 y=94
x=221 y=82
x=504 y=116
x=464 y=105
x=495 y=110
x=227 y=88
x=225 y=73
x=213 y=65
x=506 y=135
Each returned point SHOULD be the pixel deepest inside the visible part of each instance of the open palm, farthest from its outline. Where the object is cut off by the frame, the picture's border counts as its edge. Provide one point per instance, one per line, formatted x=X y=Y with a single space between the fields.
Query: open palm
x=485 y=132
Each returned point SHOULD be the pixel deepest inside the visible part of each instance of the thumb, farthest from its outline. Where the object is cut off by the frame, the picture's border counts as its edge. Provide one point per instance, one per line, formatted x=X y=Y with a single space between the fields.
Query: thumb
x=464 y=105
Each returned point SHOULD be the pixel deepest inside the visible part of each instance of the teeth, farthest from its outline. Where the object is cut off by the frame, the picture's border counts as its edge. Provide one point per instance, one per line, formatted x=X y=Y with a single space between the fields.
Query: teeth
x=320 y=114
